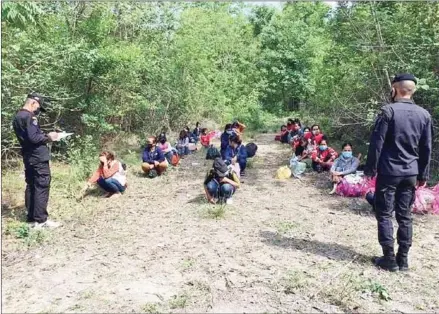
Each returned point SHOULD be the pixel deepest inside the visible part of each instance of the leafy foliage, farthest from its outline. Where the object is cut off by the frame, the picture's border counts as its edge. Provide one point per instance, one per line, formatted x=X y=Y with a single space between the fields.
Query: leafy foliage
x=140 y=67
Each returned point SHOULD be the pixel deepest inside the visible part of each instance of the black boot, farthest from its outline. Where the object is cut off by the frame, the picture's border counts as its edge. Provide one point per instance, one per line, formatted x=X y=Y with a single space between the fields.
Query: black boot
x=388 y=261
x=402 y=260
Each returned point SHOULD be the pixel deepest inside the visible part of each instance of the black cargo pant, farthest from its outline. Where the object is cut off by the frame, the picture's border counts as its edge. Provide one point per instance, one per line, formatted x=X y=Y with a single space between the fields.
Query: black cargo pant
x=37 y=191
x=394 y=194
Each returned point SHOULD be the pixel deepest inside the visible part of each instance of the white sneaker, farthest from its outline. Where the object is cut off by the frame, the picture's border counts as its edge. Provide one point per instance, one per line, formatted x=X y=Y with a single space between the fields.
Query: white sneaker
x=229 y=201
x=47 y=224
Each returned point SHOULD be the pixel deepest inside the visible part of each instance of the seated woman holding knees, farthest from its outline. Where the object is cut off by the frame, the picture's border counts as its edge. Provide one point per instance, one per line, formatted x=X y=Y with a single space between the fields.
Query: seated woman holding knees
x=237 y=153
x=323 y=157
x=154 y=162
x=110 y=175
x=344 y=165
x=220 y=182
x=183 y=144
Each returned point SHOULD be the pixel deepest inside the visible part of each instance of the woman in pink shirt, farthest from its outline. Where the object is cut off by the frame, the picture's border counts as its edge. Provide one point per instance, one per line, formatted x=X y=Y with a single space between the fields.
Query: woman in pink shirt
x=165 y=147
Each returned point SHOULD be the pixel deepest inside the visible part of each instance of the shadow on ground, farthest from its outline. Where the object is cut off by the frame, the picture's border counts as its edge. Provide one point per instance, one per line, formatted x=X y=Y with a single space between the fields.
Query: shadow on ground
x=16 y=212
x=199 y=199
x=332 y=251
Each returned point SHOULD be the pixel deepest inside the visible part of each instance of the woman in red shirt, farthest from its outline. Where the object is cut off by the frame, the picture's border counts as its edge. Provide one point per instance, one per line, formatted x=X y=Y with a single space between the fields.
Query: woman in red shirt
x=323 y=156
x=317 y=134
x=205 y=138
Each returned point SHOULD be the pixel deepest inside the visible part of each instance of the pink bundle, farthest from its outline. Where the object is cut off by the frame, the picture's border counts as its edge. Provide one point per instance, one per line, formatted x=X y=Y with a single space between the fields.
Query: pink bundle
x=427 y=200
x=212 y=134
x=360 y=189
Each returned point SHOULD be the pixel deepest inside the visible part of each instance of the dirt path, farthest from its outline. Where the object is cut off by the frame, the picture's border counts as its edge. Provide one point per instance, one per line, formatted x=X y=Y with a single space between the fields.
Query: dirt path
x=281 y=247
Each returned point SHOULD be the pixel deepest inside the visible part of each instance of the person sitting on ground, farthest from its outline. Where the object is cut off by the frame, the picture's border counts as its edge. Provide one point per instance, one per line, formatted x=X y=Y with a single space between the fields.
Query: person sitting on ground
x=189 y=134
x=225 y=139
x=110 y=175
x=205 y=138
x=196 y=132
x=343 y=165
x=317 y=134
x=236 y=153
x=323 y=157
x=308 y=149
x=303 y=142
x=220 y=182
x=165 y=147
x=290 y=124
x=295 y=134
x=154 y=162
x=283 y=131
x=183 y=144
x=306 y=130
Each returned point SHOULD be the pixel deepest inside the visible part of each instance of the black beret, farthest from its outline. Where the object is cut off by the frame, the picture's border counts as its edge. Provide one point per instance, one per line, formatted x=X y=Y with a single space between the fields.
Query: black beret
x=404 y=77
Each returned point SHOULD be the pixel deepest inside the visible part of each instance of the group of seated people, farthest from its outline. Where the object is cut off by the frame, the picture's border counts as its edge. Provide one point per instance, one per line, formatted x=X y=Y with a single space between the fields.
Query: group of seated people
x=156 y=157
x=158 y=154
x=311 y=146
x=229 y=165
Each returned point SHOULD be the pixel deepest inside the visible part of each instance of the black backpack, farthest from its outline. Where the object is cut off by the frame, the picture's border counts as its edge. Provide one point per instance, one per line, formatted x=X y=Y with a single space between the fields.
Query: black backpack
x=251 y=149
x=212 y=153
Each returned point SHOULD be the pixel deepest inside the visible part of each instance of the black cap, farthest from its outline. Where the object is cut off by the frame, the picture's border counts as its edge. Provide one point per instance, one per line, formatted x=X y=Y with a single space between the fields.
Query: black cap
x=404 y=77
x=40 y=99
x=220 y=167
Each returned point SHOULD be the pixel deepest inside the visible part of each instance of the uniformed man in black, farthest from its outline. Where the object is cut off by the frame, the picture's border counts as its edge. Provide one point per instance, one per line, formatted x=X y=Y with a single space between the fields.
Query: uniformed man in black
x=36 y=158
x=399 y=153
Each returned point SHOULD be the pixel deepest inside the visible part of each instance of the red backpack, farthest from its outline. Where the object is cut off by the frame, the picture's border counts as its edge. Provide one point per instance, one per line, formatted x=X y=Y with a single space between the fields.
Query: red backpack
x=175 y=159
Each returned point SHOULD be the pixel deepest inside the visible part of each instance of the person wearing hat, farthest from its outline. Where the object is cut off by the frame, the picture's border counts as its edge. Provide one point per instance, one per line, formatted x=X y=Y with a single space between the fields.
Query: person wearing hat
x=36 y=158
x=220 y=183
x=399 y=154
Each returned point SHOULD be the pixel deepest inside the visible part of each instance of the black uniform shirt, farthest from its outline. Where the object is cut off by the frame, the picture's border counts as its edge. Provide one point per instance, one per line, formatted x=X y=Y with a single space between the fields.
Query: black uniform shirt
x=401 y=141
x=32 y=139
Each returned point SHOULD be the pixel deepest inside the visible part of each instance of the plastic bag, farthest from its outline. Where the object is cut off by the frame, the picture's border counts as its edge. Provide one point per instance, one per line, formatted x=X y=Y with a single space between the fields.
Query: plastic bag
x=369 y=185
x=283 y=173
x=297 y=168
x=347 y=189
x=355 y=186
x=237 y=169
x=424 y=200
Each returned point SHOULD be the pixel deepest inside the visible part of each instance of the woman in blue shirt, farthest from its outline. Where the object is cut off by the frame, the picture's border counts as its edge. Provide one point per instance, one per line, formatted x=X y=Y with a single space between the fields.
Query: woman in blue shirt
x=236 y=152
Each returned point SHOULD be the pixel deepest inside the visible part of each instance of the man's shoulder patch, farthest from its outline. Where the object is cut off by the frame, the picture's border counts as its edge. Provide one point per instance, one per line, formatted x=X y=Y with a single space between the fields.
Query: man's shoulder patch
x=34 y=121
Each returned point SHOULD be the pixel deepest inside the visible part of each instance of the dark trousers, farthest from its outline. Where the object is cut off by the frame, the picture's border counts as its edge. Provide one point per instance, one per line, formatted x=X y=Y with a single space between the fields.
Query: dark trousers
x=37 y=191
x=394 y=194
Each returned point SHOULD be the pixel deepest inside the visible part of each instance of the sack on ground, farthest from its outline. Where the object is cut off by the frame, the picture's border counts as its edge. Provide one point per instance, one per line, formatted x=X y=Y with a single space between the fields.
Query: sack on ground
x=425 y=198
x=283 y=172
x=175 y=159
x=354 y=185
x=297 y=167
x=251 y=149
x=212 y=153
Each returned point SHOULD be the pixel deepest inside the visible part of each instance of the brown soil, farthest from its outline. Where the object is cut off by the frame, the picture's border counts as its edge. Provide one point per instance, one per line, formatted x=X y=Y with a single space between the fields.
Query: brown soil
x=283 y=246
